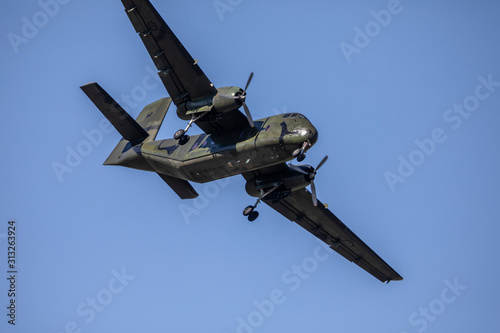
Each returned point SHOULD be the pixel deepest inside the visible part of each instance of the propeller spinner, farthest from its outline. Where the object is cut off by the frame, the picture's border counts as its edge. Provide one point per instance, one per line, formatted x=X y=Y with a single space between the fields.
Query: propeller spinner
x=311 y=174
x=242 y=98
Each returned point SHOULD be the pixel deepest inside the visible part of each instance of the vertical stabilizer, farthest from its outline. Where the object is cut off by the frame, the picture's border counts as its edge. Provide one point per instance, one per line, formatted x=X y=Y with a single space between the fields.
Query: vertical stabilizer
x=151 y=117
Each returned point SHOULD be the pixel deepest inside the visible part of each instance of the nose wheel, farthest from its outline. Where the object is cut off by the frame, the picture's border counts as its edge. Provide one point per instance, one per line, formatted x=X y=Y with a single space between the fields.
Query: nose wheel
x=299 y=152
x=299 y=155
x=250 y=211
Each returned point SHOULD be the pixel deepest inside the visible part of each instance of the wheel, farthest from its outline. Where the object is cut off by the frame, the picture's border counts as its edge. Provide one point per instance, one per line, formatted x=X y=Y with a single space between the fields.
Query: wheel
x=253 y=216
x=296 y=152
x=301 y=157
x=183 y=140
x=248 y=210
x=179 y=134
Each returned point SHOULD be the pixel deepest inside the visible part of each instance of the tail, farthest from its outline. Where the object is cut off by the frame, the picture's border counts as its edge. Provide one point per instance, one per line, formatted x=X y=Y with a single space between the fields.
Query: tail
x=134 y=132
x=142 y=130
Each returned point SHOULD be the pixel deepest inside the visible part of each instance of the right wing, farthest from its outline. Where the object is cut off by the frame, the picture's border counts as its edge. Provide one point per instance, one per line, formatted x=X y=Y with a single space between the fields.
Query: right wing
x=322 y=223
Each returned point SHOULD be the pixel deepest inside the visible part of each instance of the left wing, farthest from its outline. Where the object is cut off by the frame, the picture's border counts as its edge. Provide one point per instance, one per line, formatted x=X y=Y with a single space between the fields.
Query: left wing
x=182 y=77
x=322 y=223
x=179 y=72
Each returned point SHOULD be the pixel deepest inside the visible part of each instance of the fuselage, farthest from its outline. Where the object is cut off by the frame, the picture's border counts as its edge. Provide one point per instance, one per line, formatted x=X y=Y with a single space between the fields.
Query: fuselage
x=210 y=157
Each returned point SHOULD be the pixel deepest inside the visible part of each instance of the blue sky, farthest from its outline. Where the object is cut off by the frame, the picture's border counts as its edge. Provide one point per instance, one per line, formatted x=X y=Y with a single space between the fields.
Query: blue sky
x=405 y=96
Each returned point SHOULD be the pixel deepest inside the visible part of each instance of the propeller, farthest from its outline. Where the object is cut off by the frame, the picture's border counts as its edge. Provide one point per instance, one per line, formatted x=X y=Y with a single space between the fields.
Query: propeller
x=248 y=82
x=242 y=98
x=311 y=173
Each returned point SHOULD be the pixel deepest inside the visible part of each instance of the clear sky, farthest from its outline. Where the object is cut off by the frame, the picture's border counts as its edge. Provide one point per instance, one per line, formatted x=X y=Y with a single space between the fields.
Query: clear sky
x=405 y=96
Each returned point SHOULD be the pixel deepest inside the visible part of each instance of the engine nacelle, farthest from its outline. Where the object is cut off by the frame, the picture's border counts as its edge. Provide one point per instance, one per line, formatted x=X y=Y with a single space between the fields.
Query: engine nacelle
x=290 y=180
x=226 y=100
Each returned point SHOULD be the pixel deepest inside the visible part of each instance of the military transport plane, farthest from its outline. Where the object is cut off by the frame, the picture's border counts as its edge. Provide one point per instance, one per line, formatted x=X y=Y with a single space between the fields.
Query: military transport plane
x=232 y=143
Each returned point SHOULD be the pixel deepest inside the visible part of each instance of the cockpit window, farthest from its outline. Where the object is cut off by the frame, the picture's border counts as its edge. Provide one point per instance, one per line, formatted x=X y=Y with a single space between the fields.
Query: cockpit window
x=292 y=115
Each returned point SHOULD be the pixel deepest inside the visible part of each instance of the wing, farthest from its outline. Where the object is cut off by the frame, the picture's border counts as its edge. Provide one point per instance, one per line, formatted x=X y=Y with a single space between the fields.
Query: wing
x=322 y=223
x=182 y=77
x=179 y=72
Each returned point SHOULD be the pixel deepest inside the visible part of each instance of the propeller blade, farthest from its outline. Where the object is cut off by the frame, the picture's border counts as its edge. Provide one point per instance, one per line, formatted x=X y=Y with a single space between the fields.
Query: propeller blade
x=321 y=163
x=298 y=169
x=248 y=82
x=249 y=116
x=313 y=192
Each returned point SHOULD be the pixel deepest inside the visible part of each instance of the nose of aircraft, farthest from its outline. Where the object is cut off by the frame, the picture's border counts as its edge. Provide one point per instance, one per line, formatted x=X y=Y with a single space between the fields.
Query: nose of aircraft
x=313 y=134
x=296 y=131
x=306 y=130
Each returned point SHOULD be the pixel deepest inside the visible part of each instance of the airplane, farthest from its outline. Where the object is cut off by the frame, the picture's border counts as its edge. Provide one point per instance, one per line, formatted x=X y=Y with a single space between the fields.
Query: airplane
x=232 y=143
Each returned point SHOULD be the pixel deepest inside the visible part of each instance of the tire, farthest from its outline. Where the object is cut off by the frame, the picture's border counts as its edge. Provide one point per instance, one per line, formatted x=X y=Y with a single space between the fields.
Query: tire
x=183 y=140
x=179 y=134
x=248 y=210
x=253 y=216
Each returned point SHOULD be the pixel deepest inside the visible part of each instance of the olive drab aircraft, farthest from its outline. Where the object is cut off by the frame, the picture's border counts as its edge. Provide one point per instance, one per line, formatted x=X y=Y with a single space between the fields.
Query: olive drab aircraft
x=232 y=143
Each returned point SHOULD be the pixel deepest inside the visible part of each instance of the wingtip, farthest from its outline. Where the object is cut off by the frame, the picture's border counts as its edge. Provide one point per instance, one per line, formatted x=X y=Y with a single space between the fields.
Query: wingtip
x=399 y=278
x=88 y=84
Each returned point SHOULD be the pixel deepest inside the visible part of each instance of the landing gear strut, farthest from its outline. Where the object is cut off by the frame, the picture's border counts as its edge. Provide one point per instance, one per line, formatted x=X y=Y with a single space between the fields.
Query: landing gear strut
x=299 y=152
x=181 y=135
x=250 y=211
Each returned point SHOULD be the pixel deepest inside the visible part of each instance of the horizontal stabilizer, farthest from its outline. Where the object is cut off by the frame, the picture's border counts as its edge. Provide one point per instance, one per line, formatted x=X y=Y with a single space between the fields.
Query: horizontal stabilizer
x=117 y=116
x=180 y=186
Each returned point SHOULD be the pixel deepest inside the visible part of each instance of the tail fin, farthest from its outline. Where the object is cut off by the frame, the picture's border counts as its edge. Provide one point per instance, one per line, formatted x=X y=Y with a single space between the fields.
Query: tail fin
x=151 y=117
x=143 y=129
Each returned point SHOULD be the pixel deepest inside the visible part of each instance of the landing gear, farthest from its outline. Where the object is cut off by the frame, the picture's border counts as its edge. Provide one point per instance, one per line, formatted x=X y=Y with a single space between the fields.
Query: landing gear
x=299 y=152
x=253 y=216
x=250 y=211
x=181 y=135
x=299 y=155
